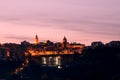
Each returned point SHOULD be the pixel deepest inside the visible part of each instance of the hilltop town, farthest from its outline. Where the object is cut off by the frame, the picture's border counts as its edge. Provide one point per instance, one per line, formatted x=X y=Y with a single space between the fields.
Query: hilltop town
x=16 y=51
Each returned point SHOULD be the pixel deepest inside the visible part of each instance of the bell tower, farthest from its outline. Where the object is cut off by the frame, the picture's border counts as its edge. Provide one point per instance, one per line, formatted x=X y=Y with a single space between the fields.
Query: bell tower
x=36 y=40
x=64 y=42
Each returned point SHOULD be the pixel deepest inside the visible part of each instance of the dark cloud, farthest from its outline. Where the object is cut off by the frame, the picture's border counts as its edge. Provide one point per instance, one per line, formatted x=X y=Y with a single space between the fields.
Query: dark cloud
x=18 y=38
x=94 y=32
x=88 y=21
x=10 y=18
x=97 y=25
x=48 y=21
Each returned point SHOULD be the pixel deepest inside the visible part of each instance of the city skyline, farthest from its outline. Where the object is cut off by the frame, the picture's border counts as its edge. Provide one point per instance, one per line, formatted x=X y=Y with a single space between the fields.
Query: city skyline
x=80 y=21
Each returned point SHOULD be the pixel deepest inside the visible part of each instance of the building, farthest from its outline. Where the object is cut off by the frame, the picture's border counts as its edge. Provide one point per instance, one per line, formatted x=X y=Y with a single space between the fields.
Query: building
x=36 y=41
x=97 y=44
x=77 y=47
x=113 y=44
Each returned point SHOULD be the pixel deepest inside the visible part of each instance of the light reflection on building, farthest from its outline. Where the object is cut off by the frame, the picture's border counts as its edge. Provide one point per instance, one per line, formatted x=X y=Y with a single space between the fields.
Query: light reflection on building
x=51 y=61
x=44 y=61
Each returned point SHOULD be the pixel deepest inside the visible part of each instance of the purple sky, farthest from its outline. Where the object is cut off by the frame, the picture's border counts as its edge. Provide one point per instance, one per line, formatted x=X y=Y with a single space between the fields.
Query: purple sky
x=81 y=21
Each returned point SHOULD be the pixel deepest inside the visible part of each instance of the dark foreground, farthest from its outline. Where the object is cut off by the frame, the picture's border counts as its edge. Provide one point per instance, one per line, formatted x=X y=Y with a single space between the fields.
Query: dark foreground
x=71 y=71
x=83 y=72
x=95 y=63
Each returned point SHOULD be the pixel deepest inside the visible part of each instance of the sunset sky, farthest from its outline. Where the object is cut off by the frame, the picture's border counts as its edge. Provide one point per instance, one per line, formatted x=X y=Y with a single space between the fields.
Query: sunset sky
x=81 y=21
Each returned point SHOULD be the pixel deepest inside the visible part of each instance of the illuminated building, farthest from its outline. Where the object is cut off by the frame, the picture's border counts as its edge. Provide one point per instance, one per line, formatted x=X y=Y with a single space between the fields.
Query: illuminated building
x=36 y=40
x=51 y=61
x=51 y=48
x=77 y=47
